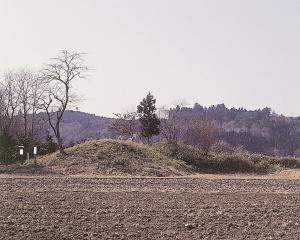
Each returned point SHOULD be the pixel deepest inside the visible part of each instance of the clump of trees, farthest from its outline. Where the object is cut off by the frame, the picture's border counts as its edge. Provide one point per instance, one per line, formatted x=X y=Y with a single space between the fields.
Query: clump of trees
x=25 y=95
x=20 y=96
x=145 y=123
x=8 y=148
x=49 y=146
x=170 y=128
x=202 y=134
x=126 y=125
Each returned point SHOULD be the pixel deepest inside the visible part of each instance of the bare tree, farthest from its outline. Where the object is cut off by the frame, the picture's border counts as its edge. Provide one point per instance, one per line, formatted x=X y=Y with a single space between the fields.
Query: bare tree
x=25 y=81
x=60 y=75
x=170 y=129
x=202 y=134
x=126 y=124
x=2 y=107
x=38 y=88
x=10 y=103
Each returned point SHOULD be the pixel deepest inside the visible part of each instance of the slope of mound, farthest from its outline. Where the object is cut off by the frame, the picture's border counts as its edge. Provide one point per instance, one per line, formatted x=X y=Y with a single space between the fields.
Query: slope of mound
x=290 y=173
x=110 y=157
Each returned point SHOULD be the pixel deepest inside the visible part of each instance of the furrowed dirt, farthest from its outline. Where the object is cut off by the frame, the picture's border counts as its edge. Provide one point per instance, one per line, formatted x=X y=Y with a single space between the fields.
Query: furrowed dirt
x=149 y=208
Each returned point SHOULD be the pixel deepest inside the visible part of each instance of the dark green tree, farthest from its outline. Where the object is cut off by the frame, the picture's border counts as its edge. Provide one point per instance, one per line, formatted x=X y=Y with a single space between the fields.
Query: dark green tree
x=8 y=149
x=148 y=118
x=49 y=146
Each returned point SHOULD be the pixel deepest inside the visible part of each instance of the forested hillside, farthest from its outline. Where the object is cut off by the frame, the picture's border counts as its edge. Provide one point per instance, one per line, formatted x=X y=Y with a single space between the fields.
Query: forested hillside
x=258 y=131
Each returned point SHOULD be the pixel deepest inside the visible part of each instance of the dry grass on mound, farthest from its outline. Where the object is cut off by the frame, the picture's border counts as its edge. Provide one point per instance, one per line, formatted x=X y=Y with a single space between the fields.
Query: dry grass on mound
x=110 y=157
x=290 y=173
x=222 y=162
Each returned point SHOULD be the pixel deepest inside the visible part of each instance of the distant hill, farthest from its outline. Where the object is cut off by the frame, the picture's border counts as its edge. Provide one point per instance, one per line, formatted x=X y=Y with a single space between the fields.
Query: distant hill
x=259 y=130
x=79 y=127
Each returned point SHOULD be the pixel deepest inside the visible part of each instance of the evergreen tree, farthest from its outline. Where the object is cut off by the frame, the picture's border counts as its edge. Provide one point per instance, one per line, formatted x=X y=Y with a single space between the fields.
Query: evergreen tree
x=8 y=149
x=148 y=118
x=48 y=147
x=51 y=145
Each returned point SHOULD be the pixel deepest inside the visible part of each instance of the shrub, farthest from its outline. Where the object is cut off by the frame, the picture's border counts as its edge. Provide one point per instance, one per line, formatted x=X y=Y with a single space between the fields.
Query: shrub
x=8 y=149
x=235 y=162
x=289 y=162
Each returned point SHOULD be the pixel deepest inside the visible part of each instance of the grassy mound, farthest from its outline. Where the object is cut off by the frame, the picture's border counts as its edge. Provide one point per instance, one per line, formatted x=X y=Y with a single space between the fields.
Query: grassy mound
x=125 y=158
x=110 y=157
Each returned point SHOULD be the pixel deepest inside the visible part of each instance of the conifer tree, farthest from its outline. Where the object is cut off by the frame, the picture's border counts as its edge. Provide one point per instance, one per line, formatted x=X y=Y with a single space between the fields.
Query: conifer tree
x=148 y=118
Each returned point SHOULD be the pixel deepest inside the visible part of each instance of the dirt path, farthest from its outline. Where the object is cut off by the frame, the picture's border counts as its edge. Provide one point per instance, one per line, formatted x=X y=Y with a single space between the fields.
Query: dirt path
x=206 y=207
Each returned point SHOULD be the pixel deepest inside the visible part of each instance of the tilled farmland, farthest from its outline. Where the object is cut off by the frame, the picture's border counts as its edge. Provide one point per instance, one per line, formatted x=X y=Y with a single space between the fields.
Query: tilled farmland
x=204 y=207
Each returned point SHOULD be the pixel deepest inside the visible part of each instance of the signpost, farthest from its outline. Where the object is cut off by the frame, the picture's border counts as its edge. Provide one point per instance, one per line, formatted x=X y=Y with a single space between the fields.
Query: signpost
x=21 y=151
x=35 y=153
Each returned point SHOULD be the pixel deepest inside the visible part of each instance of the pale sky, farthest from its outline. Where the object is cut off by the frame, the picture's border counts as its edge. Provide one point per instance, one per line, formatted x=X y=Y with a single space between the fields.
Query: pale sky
x=238 y=52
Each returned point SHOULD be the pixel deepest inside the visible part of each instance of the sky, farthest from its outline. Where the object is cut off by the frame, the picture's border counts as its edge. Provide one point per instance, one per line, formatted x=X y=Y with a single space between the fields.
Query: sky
x=244 y=53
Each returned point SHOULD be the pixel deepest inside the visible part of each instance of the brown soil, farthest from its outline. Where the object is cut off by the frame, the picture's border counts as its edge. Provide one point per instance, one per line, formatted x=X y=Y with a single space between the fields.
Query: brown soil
x=149 y=208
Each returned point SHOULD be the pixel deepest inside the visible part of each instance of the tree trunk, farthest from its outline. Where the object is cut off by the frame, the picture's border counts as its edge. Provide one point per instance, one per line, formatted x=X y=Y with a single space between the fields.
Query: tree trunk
x=25 y=123
x=32 y=123
x=59 y=140
x=60 y=145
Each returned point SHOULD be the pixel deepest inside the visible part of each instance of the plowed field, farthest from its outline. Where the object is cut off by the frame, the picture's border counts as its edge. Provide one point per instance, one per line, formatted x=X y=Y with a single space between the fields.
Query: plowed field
x=149 y=208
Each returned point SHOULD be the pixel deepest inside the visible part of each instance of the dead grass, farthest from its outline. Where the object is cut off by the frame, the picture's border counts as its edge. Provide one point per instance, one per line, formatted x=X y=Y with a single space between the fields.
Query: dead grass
x=127 y=159
x=27 y=169
x=111 y=157
x=290 y=173
x=235 y=162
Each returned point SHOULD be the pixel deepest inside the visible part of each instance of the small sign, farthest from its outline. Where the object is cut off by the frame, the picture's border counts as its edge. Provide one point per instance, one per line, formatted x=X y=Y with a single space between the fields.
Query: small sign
x=35 y=150
x=21 y=151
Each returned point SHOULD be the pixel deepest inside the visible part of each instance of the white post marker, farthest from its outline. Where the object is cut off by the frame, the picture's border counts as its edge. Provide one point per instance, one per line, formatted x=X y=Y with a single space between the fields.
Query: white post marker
x=35 y=153
x=21 y=151
x=35 y=150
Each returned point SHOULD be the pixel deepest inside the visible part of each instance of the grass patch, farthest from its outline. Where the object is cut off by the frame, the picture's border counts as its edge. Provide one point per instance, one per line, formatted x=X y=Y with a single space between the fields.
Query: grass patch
x=236 y=162
x=112 y=157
